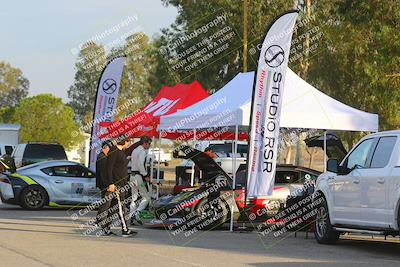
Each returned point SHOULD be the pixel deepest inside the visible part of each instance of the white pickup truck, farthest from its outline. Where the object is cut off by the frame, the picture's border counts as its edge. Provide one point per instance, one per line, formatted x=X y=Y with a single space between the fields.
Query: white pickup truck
x=362 y=193
x=158 y=155
x=223 y=150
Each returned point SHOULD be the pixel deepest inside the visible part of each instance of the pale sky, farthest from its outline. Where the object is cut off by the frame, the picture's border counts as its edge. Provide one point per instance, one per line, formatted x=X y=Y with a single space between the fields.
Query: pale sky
x=40 y=36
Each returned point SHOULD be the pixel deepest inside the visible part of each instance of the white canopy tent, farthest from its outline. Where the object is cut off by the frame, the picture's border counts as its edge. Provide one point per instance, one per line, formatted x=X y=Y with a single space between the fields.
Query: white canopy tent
x=303 y=107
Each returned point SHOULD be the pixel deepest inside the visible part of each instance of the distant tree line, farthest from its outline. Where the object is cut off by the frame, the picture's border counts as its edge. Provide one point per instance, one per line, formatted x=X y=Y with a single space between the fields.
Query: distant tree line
x=43 y=118
x=349 y=49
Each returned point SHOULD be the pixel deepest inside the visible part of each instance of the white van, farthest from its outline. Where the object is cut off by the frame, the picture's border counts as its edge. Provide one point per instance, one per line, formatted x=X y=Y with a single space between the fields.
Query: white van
x=6 y=149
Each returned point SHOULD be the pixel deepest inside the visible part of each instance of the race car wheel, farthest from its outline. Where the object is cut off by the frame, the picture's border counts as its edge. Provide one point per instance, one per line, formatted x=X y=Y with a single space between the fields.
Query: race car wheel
x=33 y=197
x=213 y=213
x=323 y=230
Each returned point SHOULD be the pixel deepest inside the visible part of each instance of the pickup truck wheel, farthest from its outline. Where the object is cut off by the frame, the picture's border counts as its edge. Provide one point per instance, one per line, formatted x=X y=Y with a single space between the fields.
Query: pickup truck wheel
x=165 y=164
x=323 y=230
x=398 y=219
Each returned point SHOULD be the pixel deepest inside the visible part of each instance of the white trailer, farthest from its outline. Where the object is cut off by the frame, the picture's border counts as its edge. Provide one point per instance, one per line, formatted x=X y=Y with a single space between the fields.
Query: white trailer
x=9 y=137
x=9 y=134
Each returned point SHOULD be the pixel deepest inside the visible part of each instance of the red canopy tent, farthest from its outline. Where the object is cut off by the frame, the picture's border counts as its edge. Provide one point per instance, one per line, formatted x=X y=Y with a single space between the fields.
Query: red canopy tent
x=145 y=121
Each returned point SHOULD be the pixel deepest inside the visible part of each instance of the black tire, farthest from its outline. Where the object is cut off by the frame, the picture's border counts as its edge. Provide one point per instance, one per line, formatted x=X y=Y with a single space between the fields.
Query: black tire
x=323 y=230
x=33 y=197
x=215 y=212
x=398 y=219
x=165 y=164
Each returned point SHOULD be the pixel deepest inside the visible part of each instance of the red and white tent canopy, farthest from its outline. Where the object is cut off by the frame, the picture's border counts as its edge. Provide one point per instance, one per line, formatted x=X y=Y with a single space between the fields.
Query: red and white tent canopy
x=168 y=101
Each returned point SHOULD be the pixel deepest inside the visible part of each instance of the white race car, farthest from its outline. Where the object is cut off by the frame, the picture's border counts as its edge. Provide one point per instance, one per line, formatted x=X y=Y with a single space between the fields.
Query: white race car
x=58 y=183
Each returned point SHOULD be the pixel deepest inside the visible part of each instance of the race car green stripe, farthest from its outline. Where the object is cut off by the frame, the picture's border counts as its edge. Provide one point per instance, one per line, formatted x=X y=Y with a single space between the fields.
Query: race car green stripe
x=5 y=165
x=55 y=205
x=26 y=179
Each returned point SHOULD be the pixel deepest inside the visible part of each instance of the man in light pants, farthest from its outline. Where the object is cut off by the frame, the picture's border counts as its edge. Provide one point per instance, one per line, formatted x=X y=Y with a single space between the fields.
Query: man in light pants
x=139 y=178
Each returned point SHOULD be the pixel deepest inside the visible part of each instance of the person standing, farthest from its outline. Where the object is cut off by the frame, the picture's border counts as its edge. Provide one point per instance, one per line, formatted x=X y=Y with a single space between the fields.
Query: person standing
x=103 y=183
x=117 y=172
x=139 y=178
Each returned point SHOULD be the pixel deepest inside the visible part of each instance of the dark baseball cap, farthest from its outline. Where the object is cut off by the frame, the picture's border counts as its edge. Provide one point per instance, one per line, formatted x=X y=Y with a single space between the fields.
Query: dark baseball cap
x=106 y=143
x=122 y=139
x=145 y=139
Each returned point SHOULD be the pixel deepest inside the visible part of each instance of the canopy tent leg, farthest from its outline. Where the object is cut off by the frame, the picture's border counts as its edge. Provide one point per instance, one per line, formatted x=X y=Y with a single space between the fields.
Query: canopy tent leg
x=325 y=152
x=158 y=167
x=234 y=150
x=151 y=165
x=192 y=174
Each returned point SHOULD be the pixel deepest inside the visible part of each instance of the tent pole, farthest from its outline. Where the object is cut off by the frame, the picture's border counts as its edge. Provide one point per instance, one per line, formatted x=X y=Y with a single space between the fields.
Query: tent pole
x=158 y=166
x=234 y=150
x=192 y=174
x=152 y=159
x=325 y=157
x=151 y=164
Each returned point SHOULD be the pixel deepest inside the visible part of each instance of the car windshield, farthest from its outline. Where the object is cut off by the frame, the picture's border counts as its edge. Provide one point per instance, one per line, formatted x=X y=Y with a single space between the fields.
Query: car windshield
x=45 y=152
x=287 y=177
x=226 y=149
x=281 y=176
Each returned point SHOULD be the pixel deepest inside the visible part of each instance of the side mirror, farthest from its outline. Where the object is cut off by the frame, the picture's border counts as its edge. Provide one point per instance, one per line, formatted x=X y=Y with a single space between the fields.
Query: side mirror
x=332 y=165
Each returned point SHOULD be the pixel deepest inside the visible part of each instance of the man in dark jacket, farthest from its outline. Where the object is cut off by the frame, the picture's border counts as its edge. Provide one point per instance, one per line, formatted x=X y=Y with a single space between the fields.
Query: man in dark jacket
x=117 y=172
x=103 y=182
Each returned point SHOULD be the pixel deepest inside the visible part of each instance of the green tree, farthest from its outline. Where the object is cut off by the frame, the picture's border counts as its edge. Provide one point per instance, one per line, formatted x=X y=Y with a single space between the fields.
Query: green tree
x=135 y=81
x=358 y=60
x=6 y=114
x=222 y=68
x=160 y=74
x=90 y=63
x=44 y=118
x=355 y=59
x=13 y=85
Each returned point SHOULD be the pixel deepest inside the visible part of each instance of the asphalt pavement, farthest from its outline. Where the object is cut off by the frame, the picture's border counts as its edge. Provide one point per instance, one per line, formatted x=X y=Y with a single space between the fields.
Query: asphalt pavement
x=54 y=237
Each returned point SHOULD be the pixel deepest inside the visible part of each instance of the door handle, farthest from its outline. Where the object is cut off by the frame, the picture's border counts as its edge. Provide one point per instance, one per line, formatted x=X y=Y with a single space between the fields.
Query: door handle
x=331 y=178
x=59 y=182
x=381 y=181
x=356 y=181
